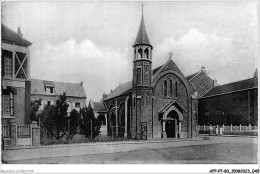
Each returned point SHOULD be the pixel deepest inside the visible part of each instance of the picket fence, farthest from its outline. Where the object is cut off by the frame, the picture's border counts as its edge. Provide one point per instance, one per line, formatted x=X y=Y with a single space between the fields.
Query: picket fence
x=230 y=128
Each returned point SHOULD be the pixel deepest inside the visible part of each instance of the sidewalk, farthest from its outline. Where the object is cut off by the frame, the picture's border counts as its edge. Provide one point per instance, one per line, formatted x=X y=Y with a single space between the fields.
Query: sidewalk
x=70 y=150
x=248 y=136
x=32 y=152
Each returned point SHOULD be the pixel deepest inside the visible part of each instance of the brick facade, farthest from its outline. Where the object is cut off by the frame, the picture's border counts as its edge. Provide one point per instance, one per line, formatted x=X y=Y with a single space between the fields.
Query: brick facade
x=202 y=83
x=234 y=108
x=13 y=77
x=159 y=103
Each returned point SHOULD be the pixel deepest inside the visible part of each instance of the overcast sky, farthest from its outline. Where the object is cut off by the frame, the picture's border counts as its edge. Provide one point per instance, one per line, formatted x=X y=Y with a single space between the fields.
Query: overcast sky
x=92 y=41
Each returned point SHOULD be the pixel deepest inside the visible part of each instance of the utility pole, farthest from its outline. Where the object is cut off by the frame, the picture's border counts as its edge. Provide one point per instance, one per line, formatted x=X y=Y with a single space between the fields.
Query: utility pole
x=91 y=128
x=68 y=129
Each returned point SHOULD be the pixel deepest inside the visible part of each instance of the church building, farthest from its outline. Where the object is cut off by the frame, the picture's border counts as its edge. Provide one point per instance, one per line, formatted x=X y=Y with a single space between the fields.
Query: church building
x=156 y=103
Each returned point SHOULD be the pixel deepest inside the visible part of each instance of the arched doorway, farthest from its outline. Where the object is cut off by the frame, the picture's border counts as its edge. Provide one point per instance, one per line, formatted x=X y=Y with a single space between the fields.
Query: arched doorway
x=172 y=124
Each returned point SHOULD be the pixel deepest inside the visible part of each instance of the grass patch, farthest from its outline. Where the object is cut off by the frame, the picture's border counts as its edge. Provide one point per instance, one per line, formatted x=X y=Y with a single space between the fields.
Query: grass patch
x=81 y=139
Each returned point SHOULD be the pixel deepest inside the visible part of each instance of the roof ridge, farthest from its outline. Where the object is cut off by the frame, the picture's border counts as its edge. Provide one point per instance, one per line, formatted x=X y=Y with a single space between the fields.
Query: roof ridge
x=54 y=81
x=231 y=87
x=234 y=82
x=30 y=43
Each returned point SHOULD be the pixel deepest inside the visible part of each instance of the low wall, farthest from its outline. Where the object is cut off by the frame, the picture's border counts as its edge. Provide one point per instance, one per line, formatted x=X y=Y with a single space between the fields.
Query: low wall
x=85 y=149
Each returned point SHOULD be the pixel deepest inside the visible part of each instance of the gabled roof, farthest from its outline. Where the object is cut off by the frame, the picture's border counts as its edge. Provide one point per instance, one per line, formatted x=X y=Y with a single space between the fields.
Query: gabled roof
x=124 y=88
x=71 y=89
x=191 y=76
x=98 y=106
x=11 y=37
x=142 y=37
x=232 y=87
x=167 y=106
x=169 y=65
x=121 y=89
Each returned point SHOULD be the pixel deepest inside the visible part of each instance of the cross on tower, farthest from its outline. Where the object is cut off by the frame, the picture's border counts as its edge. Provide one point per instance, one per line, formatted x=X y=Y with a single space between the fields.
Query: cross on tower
x=142 y=8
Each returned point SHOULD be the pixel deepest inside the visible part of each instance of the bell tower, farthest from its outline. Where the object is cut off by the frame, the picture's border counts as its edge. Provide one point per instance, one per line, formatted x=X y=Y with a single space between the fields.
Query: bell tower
x=142 y=89
x=142 y=69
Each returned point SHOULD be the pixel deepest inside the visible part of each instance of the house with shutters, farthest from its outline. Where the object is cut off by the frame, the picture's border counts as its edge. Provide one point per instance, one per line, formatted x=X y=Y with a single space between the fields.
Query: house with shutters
x=15 y=71
x=49 y=92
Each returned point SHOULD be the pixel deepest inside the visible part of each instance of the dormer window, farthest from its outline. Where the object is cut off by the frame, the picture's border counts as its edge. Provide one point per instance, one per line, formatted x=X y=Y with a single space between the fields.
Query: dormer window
x=49 y=89
x=77 y=105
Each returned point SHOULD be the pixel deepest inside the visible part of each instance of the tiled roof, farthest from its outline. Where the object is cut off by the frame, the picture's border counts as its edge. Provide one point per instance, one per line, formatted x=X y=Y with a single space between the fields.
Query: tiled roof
x=121 y=89
x=156 y=69
x=11 y=37
x=232 y=87
x=98 y=106
x=71 y=89
x=191 y=76
x=142 y=37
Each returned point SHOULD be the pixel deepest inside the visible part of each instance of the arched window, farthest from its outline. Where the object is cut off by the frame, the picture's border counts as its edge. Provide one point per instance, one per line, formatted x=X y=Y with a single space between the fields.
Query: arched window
x=165 y=88
x=135 y=54
x=176 y=89
x=146 y=68
x=146 y=53
x=140 y=53
x=113 y=118
x=171 y=88
x=122 y=116
x=138 y=76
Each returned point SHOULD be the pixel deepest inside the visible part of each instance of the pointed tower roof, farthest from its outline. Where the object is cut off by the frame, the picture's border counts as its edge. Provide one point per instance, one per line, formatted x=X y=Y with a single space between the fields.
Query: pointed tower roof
x=256 y=73
x=142 y=37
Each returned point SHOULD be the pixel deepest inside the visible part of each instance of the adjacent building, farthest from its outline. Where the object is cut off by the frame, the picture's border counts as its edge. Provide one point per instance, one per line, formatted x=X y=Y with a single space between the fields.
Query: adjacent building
x=49 y=92
x=15 y=61
x=201 y=82
x=234 y=103
x=99 y=110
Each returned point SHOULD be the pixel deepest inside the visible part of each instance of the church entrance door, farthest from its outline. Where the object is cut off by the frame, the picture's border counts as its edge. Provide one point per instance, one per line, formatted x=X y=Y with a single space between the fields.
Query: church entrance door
x=171 y=126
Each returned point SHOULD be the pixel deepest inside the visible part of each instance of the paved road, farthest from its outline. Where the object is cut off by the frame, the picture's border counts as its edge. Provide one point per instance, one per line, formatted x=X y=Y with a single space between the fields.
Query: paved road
x=218 y=150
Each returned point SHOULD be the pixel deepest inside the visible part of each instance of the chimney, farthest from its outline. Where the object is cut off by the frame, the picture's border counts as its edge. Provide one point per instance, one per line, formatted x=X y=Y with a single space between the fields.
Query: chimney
x=81 y=83
x=111 y=91
x=215 y=83
x=256 y=73
x=104 y=95
x=19 y=31
x=203 y=69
